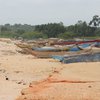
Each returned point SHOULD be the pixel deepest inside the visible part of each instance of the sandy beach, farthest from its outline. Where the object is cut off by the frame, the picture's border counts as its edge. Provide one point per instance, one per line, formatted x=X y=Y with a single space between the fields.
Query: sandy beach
x=25 y=77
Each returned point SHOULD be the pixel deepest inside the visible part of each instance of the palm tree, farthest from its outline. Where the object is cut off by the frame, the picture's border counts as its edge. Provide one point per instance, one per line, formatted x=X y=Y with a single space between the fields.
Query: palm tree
x=95 y=21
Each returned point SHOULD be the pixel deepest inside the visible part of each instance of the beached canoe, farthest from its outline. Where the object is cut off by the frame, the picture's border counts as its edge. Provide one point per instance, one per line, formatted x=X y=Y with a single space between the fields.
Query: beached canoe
x=84 y=46
x=21 y=45
x=57 y=57
x=43 y=49
x=50 y=49
x=48 y=54
x=95 y=57
x=45 y=54
x=97 y=44
x=76 y=42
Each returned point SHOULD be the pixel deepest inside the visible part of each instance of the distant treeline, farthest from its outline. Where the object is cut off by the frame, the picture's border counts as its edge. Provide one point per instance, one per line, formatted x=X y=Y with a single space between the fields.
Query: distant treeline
x=56 y=30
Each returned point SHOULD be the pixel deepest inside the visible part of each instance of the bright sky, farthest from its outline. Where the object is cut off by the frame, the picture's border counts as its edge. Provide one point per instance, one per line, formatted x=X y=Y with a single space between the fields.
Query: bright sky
x=46 y=11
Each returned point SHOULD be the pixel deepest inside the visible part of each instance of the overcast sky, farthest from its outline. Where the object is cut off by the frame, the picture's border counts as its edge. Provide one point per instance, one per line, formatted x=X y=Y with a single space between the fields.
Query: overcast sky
x=46 y=11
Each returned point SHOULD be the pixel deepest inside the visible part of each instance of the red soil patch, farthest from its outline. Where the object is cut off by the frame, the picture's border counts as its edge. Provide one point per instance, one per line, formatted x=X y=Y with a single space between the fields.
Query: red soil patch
x=39 y=86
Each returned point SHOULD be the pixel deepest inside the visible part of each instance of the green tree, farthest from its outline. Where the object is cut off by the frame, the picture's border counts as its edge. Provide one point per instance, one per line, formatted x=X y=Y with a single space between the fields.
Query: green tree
x=94 y=24
x=67 y=35
x=33 y=35
x=4 y=29
x=95 y=21
x=51 y=29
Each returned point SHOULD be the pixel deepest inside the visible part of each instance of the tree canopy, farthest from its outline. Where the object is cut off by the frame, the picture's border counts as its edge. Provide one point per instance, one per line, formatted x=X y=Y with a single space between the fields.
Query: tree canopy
x=80 y=29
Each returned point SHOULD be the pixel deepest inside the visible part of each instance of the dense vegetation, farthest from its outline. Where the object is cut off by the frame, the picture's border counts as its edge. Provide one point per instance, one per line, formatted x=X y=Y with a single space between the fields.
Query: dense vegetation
x=57 y=30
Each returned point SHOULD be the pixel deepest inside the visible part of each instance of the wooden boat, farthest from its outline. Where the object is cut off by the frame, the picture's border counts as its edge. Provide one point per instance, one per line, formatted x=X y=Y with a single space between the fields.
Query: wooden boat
x=46 y=54
x=21 y=45
x=85 y=46
x=97 y=44
x=49 y=54
x=50 y=49
x=91 y=57
x=85 y=57
x=75 y=42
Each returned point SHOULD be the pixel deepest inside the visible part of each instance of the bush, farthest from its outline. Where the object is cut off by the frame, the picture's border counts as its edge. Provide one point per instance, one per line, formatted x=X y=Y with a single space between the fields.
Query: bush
x=33 y=35
x=7 y=35
x=67 y=35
